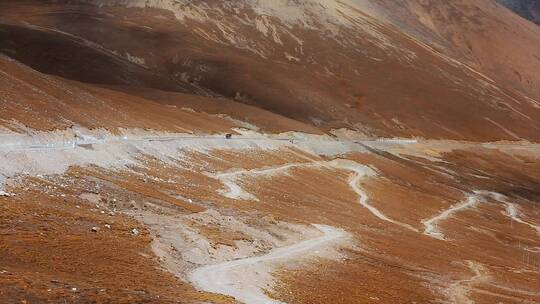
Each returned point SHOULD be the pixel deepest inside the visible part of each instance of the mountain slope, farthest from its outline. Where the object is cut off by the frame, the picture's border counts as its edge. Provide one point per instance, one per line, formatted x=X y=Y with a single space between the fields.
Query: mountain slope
x=528 y=9
x=188 y=151
x=427 y=71
x=32 y=101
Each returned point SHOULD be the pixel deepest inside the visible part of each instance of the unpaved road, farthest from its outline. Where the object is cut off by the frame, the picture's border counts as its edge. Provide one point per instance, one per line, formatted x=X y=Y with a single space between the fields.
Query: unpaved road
x=73 y=143
x=360 y=173
x=18 y=142
x=458 y=292
x=235 y=191
x=512 y=210
x=431 y=228
x=226 y=278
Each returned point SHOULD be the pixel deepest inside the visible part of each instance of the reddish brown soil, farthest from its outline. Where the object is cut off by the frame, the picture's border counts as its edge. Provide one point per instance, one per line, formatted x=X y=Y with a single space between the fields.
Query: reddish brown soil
x=396 y=266
x=65 y=64
x=390 y=97
x=480 y=33
x=28 y=94
x=48 y=248
x=389 y=265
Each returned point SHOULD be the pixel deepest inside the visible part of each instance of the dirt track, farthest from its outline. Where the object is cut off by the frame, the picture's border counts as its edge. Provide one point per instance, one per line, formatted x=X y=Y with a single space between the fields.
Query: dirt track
x=192 y=223
x=229 y=278
x=116 y=181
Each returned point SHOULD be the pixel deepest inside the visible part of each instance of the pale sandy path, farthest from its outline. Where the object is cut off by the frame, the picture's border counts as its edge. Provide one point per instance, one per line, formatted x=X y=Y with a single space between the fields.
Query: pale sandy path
x=431 y=224
x=512 y=211
x=226 y=278
x=360 y=173
x=458 y=292
x=235 y=191
x=18 y=142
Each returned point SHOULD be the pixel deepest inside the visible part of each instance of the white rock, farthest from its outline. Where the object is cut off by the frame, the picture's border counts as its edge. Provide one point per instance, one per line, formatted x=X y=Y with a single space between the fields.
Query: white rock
x=6 y=194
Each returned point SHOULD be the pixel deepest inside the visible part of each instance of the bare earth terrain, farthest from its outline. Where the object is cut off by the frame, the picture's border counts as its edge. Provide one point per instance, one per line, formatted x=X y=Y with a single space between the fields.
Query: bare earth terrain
x=379 y=152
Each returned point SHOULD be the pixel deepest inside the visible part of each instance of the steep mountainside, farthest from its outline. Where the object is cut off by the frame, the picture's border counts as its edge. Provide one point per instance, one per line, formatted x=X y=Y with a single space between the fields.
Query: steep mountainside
x=528 y=9
x=269 y=152
x=384 y=68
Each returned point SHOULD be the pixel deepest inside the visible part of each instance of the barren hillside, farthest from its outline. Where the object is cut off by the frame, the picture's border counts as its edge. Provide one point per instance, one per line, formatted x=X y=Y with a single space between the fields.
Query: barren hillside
x=397 y=68
x=528 y=9
x=269 y=151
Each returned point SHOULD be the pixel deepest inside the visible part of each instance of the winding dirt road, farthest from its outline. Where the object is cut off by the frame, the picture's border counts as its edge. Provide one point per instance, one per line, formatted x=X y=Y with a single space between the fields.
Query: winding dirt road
x=235 y=191
x=431 y=228
x=361 y=172
x=227 y=278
